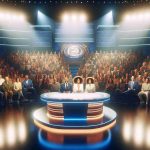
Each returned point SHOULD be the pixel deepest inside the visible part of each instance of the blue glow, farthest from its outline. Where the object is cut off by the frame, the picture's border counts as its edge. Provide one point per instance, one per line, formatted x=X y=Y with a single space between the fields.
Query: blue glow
x=107 y=19
x=51 y=145
x=42 y=19
x=75 y=101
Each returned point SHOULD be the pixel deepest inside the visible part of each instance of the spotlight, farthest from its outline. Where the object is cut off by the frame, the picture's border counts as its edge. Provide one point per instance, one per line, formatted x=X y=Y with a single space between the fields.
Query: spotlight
x=133 y=17
x=83 y=18
x=2 y=16
x=140 y=16
x=21 y=18
x=147 y=15
x=14 y=17
x=65 y=17
x=74 y=17
x=7 y=16
x=127 y=17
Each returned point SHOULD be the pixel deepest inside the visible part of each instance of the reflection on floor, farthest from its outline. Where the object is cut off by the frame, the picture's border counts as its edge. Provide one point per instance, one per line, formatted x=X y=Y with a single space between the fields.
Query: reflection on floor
x=17 y=130
x=136 y=128
x=13 y=127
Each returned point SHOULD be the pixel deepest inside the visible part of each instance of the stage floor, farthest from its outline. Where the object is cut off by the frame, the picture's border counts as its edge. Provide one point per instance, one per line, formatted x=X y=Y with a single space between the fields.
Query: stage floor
x=18 y=132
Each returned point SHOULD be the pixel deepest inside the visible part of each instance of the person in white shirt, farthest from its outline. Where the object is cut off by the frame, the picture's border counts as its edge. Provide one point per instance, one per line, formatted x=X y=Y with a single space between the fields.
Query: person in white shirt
x=145 y=91
x=78 y=85
x=1 y=80
x=90 y=86
x=18 y=88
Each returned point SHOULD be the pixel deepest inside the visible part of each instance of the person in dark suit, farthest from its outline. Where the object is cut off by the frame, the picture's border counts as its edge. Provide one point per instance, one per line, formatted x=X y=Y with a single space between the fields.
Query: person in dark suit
x=27 y=86
x=66 y=87
x=133 y=85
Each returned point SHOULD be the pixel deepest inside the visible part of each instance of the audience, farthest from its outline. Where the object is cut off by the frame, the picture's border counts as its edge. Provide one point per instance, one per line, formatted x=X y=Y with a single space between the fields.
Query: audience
x=46 y=72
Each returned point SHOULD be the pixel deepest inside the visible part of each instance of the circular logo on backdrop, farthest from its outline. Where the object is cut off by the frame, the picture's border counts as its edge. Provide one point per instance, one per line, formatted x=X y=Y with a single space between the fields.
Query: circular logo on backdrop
x=73 y=51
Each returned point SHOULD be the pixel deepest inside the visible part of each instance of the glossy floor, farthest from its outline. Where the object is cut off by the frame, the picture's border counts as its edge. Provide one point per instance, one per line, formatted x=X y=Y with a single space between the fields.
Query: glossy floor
x=18 y=132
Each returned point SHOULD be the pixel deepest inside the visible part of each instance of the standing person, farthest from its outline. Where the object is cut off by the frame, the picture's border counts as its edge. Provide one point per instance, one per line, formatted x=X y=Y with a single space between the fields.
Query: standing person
x=18 y=88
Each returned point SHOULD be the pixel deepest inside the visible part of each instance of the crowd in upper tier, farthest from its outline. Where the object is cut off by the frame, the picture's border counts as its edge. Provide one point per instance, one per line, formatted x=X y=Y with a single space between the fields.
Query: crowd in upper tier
x=24 y=72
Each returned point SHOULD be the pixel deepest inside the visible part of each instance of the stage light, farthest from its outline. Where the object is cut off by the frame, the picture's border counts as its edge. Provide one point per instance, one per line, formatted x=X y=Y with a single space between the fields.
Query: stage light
x=8 y=16
x=66 y=17
x=127 y=17
x=74 y=17
x=133 y=18
x=140 y=16
x=14 y=17
x=83 y=18
x=39 y=13
x=147 y=16
x=2 y=16
x=21 y=18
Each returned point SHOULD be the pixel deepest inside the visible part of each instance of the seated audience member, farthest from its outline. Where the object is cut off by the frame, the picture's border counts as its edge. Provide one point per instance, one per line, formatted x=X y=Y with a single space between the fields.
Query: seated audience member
x=110 y=86
x=18 y=88
x=2 y=80
x=55 y=87
x=78 y=85
x=121 y=87
x=66 y=87
x=133 y=85
x=90 y=86
x=27 y=86
x=7 y=87
x=145 y=91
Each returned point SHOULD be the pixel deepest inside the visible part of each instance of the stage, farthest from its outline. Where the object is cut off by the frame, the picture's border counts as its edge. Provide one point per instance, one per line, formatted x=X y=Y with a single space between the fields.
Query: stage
x=130 y=132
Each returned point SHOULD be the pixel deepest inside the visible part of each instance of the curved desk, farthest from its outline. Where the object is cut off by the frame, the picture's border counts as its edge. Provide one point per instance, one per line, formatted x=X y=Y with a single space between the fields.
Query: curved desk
x=75 y=113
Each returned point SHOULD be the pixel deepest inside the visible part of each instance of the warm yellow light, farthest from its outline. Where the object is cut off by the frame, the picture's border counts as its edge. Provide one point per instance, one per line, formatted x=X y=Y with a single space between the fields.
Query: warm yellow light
x=138 y=135
x=127 y=17
x=83 y=17
x=1 y=138
x=22 y=131
x=11 y=133
x=8 y=16
x=74 y=17
x=65 y=17
x=127 y=131
x=21 y=17
x=147 y=140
